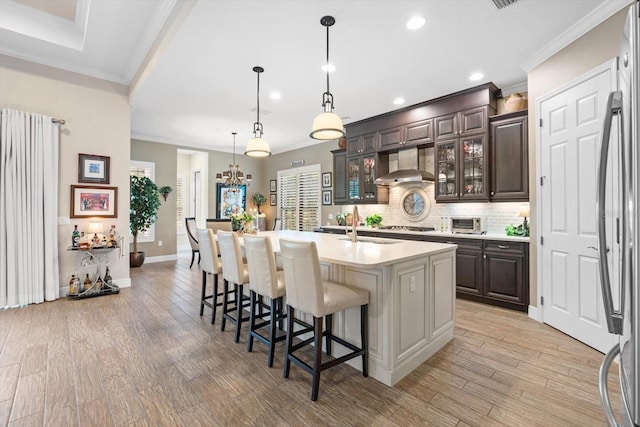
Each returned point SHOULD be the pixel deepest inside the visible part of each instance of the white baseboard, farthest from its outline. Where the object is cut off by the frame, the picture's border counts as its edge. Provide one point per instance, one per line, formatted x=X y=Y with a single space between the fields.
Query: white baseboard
x=162 y=258
x=123 y=283
x=534 y=313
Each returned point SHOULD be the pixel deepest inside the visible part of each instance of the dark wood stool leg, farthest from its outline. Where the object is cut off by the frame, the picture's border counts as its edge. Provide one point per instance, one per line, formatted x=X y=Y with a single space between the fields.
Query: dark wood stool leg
x=280 y=313
x=329 y=321
x=204 y=288
x=317 y=357
x=252 y=320
x=215 y=298
x=364 y=338
x=193 y=256
x=288 y=342
x=272 y=330
x=225 y=296
x=239 y=289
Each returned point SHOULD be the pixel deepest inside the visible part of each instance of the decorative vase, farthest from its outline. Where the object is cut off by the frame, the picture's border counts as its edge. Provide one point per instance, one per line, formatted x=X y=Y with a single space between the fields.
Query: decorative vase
x=515 y=102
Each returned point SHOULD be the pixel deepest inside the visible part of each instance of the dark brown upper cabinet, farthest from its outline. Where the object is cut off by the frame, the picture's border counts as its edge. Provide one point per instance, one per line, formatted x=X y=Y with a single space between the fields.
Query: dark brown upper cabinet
x=417 y=133
x=367 y=143
x=461 y=169
x=509 y=150
x=463 y=123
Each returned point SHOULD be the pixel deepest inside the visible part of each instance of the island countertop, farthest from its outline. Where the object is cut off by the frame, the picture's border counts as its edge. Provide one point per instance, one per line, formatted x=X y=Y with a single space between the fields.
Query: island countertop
x=367 y=252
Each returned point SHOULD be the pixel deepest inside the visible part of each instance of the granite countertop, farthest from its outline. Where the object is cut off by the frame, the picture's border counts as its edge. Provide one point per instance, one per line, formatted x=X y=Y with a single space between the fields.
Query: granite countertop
x=487 y=236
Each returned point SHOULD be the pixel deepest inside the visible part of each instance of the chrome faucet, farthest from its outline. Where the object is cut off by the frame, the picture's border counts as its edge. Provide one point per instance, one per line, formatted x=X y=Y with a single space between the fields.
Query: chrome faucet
x=354 y=222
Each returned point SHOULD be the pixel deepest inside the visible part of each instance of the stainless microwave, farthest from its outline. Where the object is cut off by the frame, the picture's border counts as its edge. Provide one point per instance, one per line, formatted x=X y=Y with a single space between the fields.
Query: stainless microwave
x=466 y=225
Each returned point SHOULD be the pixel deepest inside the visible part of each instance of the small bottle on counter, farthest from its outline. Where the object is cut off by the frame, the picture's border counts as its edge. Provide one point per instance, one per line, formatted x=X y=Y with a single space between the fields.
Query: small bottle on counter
x=75 y=237
x=72 y=285
x=107 y=277
x=87 y=282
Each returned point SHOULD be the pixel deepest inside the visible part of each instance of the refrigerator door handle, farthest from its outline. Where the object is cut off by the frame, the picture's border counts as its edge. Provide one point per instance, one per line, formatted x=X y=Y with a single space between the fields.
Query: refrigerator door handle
x=614 y=319
x=603 y=386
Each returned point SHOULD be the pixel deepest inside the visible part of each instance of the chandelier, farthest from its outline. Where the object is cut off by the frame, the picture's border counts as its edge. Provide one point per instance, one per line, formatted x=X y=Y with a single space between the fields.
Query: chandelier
x=234 y=176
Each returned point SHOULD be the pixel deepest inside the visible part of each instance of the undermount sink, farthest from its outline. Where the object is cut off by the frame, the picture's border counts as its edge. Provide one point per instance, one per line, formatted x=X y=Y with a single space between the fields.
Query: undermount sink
x=365 y=240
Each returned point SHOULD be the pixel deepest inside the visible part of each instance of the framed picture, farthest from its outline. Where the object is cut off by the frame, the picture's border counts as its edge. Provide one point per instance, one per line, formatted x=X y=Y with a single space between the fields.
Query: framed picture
x=91 y=201
x=230 y=200
x=93 y=169
x=273 y=185
x=326 y=197
x=272 y=200
x=326 y=179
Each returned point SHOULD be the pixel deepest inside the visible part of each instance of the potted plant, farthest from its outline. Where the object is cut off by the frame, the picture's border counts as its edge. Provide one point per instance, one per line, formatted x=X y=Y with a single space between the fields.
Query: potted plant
x=165 y=190
x=145 y=203
x=258 y=199
x=341 y=218
x=373 y=220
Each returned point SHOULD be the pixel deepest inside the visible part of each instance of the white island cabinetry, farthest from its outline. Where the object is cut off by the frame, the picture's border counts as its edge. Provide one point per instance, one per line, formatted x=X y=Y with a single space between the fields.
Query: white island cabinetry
x=411 y=297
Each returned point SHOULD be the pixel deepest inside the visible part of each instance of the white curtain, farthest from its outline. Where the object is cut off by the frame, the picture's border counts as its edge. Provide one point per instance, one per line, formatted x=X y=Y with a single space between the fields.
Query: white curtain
x=28 y=209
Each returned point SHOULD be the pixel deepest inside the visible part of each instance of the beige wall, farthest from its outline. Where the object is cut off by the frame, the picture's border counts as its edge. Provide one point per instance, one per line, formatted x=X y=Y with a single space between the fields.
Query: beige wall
x=98 y=121
x=164 y=157
x=594 y=48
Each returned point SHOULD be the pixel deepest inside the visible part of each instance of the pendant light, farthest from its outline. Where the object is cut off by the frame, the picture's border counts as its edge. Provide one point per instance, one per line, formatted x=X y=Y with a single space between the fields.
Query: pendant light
x=258 y=146
x=233 y=177
x=327 y=125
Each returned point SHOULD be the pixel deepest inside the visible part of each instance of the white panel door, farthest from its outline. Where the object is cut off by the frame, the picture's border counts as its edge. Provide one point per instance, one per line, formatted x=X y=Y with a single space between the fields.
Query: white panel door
x=570 y=139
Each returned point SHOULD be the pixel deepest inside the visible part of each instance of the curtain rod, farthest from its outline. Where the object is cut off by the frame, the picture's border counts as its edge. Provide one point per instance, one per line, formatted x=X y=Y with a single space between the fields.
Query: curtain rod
x=53 y=120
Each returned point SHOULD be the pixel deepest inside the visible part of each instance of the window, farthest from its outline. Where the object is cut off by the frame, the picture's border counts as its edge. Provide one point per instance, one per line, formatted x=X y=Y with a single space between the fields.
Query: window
x=299 y=198
x=140 y=169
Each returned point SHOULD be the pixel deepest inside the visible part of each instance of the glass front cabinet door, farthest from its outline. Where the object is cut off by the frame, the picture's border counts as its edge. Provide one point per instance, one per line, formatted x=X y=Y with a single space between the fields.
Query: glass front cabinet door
x=353 y=178
x=462 y=169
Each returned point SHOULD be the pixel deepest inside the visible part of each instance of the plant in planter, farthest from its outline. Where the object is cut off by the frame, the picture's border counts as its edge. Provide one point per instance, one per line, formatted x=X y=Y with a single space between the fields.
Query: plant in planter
x=165 y=190
x=145 y=203
x=341 y=218
x=374 y=220
x=258 y=199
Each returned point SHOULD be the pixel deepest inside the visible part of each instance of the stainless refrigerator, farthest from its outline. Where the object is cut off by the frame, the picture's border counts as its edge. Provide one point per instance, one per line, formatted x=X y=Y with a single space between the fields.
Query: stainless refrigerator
x=623 y=314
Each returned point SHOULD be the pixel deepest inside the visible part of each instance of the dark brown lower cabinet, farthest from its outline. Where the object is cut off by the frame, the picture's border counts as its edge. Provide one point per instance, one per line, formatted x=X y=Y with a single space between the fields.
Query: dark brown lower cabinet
x=506 y=274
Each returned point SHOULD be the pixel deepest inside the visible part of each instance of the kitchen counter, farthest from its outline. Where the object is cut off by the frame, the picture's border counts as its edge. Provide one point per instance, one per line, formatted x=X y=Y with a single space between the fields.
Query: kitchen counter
x=488 y=236
x=411 y=288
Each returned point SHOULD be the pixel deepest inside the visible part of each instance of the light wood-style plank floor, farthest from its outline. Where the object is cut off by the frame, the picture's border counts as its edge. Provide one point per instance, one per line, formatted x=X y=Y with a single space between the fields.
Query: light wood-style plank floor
x=145 y=358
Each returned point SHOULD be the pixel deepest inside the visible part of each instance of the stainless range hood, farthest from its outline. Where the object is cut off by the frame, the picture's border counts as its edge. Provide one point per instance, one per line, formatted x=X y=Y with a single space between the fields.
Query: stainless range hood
x=408 y=170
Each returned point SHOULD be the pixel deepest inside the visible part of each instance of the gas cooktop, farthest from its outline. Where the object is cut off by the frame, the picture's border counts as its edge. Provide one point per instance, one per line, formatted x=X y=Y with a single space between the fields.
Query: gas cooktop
x=406 y=228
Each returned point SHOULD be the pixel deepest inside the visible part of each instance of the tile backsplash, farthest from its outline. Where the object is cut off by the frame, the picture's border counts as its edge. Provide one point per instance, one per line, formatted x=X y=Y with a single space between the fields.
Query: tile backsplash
x=495 y=216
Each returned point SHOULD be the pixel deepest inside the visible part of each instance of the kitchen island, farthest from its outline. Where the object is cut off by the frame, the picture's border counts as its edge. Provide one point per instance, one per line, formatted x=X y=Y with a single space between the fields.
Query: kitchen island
x=411 y=296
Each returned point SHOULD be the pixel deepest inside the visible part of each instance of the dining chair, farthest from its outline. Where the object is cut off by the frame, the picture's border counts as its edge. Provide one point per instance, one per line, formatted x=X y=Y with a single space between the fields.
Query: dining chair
x=211 y=264
x=277 y=224
x=308 y=293
x=236 y=272
x=191 y=226
x=264 y=281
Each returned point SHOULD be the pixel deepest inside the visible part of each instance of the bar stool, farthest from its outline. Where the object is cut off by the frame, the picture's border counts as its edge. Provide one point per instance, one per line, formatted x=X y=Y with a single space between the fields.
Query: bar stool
x=190 y=225
x=211 y=264
x=233 y=271
x=264 y=281
x=307 y=292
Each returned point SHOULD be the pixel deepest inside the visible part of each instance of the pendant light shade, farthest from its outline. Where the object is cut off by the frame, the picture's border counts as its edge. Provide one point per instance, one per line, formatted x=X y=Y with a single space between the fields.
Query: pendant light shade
x=327 y=125
x=258 y=146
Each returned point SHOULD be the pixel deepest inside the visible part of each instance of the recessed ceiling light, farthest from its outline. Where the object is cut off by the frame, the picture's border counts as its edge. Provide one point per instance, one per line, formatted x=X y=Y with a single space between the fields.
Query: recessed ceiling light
x=415 y=22
x=398 y=101
x=275 y=95
x=329 y=67
x=476 y=76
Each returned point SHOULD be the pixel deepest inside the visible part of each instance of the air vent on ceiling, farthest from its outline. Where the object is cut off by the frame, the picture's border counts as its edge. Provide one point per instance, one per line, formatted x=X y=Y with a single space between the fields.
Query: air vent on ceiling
x=503 y=3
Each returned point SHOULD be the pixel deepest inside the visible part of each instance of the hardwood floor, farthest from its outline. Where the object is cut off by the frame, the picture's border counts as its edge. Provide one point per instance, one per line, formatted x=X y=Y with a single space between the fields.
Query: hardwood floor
x=145 y=358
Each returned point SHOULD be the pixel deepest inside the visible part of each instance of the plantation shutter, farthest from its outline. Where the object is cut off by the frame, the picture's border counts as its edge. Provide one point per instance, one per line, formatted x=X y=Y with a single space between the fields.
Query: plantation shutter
x=299 y=198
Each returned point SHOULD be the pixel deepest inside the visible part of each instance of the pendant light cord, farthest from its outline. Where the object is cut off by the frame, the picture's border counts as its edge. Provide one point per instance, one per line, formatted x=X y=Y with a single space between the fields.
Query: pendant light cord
x=328 y=59
x=258 y=98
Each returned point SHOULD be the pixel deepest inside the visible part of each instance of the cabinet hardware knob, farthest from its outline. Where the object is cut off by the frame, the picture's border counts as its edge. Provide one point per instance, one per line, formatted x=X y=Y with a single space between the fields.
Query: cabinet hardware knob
x=493 y=194
x=484 y=256
x=503 y=246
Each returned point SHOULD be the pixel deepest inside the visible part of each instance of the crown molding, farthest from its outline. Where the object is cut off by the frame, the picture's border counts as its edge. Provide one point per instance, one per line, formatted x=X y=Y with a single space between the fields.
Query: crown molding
x=597 y=16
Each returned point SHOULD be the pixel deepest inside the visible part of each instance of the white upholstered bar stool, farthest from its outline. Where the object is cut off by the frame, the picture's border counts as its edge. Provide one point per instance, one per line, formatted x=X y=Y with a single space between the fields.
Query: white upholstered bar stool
x=190 y=225
x=211 y=264
x=308 y=293
x=264 y=281
x=233 y=271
